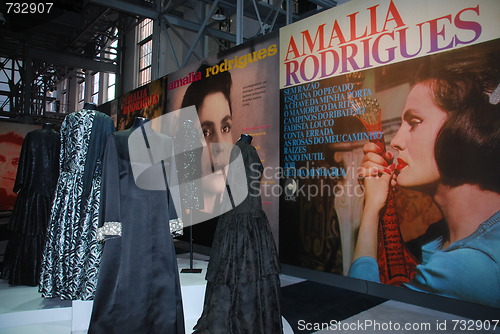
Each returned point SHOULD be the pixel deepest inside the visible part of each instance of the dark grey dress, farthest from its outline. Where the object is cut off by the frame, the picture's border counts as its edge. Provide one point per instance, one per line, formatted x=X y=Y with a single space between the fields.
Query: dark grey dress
x=138 y=288
x=242 y=293
x=35 y=185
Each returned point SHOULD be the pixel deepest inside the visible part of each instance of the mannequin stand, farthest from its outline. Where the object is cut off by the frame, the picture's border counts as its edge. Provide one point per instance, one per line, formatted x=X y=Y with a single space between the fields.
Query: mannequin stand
x=191 y=270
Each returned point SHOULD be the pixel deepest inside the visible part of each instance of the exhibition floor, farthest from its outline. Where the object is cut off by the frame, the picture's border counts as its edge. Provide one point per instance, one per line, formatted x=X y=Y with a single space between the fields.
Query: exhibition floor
x=23 y=311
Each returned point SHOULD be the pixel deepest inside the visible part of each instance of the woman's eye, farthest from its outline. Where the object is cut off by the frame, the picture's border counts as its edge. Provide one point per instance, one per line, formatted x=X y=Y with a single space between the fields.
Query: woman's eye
x=207 y=133
x=226 y=128
x=414 y=122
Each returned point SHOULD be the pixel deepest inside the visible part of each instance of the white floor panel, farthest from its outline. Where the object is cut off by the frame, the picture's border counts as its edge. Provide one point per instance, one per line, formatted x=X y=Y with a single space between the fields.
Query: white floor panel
x=58 y=327
x=23 y=310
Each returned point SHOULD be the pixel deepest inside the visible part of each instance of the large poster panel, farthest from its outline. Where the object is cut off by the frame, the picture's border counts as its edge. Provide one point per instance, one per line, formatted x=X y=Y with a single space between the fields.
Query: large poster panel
x=11 y=140
x=251 y=73
x=389 y=142
x=147 y=101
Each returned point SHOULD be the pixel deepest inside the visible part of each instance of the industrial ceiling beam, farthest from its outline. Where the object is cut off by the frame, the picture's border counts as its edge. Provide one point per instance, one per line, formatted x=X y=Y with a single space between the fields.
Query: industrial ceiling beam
x=71 y=61
x=129 y=8
x=200 y=32
x=324 y=3
x=195 y=27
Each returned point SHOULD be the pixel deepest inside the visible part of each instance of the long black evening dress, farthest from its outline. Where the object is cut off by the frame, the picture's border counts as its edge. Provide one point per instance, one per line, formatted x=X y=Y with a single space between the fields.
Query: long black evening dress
x=138 y=289
x=35 y=185
x=242 y=293
x=71 y=256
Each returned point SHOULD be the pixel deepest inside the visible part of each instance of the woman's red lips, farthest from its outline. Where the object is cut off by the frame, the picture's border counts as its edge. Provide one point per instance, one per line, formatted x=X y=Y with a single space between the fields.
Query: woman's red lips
x=401 y=164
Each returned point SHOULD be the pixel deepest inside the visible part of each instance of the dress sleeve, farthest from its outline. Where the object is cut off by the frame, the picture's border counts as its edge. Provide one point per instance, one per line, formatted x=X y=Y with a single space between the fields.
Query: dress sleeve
x=174 y=208
x=110 y=225
x=365 y=267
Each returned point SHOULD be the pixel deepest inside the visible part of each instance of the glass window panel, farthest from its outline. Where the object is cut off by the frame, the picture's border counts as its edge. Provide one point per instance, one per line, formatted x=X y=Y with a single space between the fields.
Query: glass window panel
x=81 y=91
x=111 y=79
x=145 y=29
x=145 y=46
x=95 y=83
x=111 y=93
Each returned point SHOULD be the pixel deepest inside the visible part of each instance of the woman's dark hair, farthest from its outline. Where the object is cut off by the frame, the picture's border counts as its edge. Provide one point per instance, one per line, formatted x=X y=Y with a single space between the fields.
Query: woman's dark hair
x=467 y=148
x=215 y=83
x=11 y=137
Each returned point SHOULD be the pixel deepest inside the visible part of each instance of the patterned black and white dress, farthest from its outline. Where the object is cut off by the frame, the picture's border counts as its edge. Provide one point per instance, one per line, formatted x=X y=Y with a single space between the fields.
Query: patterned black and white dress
x=72 y=253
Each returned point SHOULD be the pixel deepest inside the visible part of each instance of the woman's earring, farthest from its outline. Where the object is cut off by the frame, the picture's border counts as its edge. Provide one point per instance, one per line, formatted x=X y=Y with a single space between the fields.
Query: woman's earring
x=495 y=95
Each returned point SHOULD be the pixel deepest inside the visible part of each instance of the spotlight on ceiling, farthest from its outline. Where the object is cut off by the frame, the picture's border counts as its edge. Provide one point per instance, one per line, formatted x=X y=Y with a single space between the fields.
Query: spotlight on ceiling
x=219 y=15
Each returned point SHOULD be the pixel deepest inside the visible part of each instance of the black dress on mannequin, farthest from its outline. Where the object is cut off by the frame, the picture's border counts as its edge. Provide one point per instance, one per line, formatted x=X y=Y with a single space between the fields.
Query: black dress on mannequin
x=139 y=121
x=35 y=185
x=242 y=293
x=138 y=289
x=246 y=138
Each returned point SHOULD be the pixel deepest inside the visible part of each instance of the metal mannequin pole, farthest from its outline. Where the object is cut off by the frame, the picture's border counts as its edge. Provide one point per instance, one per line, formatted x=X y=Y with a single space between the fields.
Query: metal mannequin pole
x=191 y=270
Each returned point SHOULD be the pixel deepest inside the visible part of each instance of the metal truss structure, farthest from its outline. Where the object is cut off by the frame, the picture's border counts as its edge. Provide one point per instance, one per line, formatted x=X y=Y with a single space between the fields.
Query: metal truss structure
x=38 y=50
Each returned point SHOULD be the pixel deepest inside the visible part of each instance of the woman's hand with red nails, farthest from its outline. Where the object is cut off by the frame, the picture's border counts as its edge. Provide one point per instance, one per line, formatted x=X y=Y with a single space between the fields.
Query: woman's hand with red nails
x=377 y=170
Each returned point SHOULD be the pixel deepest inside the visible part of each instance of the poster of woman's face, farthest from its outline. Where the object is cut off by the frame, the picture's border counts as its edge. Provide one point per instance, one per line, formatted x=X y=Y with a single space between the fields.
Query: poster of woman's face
x=234 y=93
x=11 y=140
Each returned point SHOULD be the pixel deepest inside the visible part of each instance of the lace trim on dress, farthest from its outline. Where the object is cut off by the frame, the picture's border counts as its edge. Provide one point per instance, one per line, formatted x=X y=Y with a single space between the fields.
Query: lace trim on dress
x=176 y=226
x=110 y=230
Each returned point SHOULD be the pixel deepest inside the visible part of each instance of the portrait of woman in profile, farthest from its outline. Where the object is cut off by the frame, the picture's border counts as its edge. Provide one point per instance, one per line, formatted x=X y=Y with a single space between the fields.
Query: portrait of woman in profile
x=448 y=146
